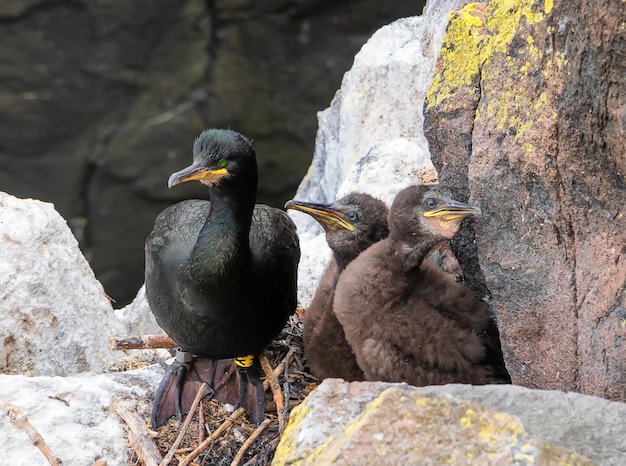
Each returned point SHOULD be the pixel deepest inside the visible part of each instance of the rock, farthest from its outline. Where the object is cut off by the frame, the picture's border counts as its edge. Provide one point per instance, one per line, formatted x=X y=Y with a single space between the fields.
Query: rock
x=370 y=138
x=380 y=423
x=55 y=318
x=137 y=316
x=75 y=415
x=525 y=118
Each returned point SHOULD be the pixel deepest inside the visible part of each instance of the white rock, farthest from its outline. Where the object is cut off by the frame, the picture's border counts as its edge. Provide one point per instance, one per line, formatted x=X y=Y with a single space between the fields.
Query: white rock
x=137 y=316
x=313 y=261
x=401 y=162
x=55 y=318
x=74 y=415
x=371 y=138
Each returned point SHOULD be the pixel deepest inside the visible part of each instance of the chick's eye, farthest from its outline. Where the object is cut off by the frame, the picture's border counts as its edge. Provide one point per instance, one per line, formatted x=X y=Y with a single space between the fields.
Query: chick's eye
x=430 y=203
x=223 y=163
x=353 y=215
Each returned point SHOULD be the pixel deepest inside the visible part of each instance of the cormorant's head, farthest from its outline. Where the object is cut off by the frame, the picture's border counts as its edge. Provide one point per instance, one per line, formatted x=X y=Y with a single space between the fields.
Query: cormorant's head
x=427 y=211
x=218 y=155
x=352 y=223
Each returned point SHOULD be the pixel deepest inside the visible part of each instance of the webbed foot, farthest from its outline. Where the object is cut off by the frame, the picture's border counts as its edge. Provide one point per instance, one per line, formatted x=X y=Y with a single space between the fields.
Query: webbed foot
x=182 y=380
x=251 y=392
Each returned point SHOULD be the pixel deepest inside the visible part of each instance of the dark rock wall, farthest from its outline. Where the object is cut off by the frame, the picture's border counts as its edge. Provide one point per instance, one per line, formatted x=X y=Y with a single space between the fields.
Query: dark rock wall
x=101 y=101
x=536 y=92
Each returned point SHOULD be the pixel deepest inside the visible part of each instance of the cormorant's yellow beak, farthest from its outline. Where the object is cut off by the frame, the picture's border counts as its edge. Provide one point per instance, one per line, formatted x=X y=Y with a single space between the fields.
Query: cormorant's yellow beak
x=196 y=172
x=322 y=213
x=453 y=210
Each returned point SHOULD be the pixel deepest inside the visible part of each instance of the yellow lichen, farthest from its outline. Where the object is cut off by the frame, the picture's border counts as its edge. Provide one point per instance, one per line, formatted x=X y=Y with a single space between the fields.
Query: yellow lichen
x=479 y=34
x=459 y=53
x=466 y=421
x=286 y=450
x=547 y=6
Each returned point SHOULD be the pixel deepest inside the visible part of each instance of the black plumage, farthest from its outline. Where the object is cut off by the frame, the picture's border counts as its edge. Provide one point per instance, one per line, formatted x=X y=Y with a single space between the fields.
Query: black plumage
x=352 y=224
x=407 y=320
x=221 y=276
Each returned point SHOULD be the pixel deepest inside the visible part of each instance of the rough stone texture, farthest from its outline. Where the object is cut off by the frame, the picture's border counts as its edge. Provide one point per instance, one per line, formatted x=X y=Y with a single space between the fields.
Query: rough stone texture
x=54 y=316
x=370 y=138
x=354 y=423
x=527 y=117
x=137 y=317
x=75 y=415
x=106 y=97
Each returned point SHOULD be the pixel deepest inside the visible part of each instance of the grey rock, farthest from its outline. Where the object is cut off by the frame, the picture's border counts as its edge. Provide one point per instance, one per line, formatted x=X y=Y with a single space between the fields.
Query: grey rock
x=55 y=318
x=508 y=132
x=137 y=316
x=75 y=415
x=333 y=420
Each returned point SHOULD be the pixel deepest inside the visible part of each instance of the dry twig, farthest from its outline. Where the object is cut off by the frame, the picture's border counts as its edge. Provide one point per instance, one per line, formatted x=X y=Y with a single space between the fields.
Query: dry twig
x=139 y=437
x=21 y=422
x=170 y=455
x=154 y=341
x=275 y=387
x=201 y=424
x=282 y=417
x=250 y=441
x=226 y=424
x=219 y=431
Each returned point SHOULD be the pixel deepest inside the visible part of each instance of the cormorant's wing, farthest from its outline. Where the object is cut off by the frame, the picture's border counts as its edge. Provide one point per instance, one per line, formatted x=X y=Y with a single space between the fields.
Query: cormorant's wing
x=275 y=250
x=169 y=245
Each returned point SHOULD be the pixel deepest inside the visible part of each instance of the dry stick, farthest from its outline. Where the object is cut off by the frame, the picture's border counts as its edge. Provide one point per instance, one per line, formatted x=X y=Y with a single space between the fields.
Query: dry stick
x=275 y=386
x=201 y=424
x=226 y=424
x=139 y=437
x=170 y=455
x=269 y=446
x=249 y=441
x=282 y=420
x=219 y=431
x=21 y=422
x=158 y=340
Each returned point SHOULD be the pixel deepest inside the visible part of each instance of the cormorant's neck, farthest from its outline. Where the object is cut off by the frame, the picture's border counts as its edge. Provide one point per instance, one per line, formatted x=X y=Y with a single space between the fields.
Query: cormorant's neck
x=223 y=242
x=232 y=207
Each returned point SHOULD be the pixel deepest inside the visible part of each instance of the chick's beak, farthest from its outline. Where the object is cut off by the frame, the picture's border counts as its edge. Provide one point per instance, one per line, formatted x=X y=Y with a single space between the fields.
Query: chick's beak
x=323 y=214
x=453 y=210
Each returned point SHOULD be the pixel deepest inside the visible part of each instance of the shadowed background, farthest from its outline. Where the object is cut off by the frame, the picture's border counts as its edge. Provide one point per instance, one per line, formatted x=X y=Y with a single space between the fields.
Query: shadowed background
x=101 y=102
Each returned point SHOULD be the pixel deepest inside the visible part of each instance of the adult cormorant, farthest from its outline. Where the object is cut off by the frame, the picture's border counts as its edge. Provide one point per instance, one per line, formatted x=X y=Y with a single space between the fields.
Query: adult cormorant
x=405 y=319
x=221 y=275
x=352 y=224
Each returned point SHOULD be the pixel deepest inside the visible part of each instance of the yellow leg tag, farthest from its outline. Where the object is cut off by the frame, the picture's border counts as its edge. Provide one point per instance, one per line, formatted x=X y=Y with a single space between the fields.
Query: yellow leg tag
x=244 y=361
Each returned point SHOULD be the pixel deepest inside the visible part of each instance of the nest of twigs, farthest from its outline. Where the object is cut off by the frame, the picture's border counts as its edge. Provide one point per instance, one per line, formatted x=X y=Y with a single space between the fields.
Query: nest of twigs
x=229 y=437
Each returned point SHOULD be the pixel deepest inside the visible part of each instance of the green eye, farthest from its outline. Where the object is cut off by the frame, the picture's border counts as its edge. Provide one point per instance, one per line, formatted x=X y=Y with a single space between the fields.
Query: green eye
x=223 y=163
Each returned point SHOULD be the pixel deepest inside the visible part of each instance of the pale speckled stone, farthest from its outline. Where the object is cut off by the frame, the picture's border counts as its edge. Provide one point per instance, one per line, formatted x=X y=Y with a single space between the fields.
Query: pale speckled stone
x=55 y=318
x=350 y=423
x=75 y=415
x=137 y=316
